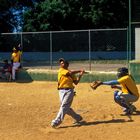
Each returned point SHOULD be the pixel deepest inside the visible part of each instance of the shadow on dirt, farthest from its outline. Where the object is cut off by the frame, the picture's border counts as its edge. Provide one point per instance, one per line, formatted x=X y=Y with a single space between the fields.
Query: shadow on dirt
x=84 y=123
x=134 y=113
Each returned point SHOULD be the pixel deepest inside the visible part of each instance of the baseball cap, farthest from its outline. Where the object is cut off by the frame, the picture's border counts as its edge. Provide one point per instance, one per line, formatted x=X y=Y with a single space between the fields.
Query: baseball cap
x=122 y=72
x=14 y=49
x=61 y=59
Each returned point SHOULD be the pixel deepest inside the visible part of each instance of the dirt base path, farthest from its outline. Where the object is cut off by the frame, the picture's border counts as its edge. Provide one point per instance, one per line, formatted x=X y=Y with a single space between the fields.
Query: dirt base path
x=26 y=110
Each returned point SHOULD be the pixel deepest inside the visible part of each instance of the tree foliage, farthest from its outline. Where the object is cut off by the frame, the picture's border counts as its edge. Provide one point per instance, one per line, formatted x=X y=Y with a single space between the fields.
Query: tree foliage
x=45 y=15
x=11 y=12
x=76 y=14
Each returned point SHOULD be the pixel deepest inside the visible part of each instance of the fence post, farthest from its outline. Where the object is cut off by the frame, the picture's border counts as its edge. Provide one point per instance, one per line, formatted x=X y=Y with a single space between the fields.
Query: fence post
x=89 y=44
x=50 y=49
x=129 y=31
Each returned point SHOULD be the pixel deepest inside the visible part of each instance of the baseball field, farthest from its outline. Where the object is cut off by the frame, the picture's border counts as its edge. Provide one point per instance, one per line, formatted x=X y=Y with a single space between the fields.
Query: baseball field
x=26 y=110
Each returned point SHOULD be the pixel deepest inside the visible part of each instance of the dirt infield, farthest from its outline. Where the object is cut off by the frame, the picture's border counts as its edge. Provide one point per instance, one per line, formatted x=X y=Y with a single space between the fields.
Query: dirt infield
x=26 y=110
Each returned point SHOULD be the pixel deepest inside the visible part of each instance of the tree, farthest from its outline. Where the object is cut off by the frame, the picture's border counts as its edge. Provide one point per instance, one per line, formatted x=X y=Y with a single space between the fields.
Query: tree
x=76 y=14
x=45 y=15
x=5 y=13
x=11 y=12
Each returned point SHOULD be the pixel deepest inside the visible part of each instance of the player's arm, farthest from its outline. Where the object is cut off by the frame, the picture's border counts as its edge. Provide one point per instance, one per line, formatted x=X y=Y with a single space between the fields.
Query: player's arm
x=113 y=84
x=78 y=78
x=75 y=71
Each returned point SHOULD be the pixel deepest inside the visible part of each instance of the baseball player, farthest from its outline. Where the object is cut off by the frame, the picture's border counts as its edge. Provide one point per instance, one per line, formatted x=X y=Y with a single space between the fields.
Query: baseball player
x=19 y=48
x=66 y=79
x=15 y=59
x=127 y=92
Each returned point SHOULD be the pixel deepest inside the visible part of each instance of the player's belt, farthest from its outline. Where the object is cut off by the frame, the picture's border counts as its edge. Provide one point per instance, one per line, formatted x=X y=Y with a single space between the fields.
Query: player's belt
x=64 y=88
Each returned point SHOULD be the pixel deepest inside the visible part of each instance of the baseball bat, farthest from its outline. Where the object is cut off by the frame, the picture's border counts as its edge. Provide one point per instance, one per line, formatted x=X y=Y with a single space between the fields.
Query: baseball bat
x=87 y=72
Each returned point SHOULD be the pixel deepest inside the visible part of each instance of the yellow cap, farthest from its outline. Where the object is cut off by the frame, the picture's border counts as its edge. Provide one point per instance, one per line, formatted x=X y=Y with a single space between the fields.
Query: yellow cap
x=14 y=49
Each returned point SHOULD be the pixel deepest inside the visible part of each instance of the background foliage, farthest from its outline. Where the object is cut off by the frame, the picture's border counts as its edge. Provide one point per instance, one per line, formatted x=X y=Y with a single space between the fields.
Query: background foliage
x=45 y=15
x=76 y=14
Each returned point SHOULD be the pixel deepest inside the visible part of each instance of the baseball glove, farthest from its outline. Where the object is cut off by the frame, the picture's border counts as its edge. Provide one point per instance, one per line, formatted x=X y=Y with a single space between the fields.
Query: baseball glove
x=95 y=84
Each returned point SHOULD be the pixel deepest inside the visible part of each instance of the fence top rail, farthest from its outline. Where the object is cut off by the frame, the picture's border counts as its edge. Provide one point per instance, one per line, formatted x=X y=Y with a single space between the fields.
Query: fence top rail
x=43 y=32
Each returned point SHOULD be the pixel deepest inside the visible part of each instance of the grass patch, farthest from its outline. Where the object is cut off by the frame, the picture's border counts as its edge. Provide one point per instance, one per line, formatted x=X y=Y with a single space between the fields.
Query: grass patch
x=48 y=76
x=98 y=76
x=43 y=76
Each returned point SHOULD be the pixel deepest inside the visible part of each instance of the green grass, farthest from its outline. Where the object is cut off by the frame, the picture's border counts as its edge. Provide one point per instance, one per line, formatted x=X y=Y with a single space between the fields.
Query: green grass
x=98 y=76
x=32 y=76
x=24 y=76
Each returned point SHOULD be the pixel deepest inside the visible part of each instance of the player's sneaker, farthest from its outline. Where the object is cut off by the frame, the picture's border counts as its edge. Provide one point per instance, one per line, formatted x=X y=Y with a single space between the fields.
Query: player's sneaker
x=78 y=120
x=130 y=110
x=54 y=124
x=133 y=108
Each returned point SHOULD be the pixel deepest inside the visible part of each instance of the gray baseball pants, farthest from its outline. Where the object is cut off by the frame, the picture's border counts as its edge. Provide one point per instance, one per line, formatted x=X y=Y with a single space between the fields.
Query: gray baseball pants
x=124 y=100
x=66 y=98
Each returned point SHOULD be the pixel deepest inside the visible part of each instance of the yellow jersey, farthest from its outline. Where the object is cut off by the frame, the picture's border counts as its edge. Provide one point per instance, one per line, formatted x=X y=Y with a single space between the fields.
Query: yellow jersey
x=128 y=85
x=16 y=56
x=64 y=80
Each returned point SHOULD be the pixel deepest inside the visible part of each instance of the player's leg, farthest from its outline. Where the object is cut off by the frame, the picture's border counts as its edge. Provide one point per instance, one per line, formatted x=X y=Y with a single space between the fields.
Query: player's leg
x=8 y=76
x=130 y=99
x=66 y=97
x=60 y=115
x=125 y=100
x=66 y=105
x=2 y=75
x=119 y=100
x=14 y=68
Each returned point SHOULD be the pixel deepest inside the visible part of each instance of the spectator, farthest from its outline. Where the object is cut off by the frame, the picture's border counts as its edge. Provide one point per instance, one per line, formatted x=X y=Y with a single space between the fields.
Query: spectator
x=6 y=71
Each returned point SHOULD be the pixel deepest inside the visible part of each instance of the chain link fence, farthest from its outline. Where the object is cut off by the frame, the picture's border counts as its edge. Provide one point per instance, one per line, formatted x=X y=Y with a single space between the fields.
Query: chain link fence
x=88 y=49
